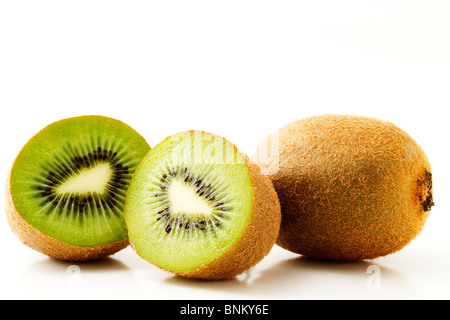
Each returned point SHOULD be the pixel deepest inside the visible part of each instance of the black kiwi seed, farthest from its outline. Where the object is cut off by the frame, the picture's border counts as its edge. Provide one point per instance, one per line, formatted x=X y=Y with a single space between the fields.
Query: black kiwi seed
x=203 y=189
x=61 y=172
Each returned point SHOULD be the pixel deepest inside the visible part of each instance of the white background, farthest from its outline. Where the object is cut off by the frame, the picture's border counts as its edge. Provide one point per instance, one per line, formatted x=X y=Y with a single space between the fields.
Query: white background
x=239 y=69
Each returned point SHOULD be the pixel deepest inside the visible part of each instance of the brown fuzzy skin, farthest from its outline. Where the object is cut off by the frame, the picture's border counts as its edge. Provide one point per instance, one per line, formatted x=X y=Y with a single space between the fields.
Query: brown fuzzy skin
x=257 y=239
x=52 y=247
x=350 y=187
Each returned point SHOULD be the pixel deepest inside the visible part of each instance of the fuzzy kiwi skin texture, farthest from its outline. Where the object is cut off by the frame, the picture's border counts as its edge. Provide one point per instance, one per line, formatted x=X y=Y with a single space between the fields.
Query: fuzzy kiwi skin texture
x=351 y=187
x=52 y=247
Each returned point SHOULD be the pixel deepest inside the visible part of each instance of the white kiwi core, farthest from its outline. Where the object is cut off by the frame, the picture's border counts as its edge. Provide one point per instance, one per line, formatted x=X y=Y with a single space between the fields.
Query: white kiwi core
x=184 y=199
x=90 y=180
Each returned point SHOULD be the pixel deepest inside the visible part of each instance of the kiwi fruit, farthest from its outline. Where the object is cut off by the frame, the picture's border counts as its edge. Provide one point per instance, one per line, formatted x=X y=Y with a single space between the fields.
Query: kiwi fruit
x=198 y=208
x=350 y=187
x=66 y=190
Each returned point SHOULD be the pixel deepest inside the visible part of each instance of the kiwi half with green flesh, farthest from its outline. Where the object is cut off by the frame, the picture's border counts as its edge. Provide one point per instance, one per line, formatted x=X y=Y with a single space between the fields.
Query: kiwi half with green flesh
x=350 y=187
x=67 y=187
x=198 y=208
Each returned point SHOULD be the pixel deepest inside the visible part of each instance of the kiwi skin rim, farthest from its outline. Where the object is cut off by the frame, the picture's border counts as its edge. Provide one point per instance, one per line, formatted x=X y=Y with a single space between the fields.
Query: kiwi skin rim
x=258 y=237
x=50 y=246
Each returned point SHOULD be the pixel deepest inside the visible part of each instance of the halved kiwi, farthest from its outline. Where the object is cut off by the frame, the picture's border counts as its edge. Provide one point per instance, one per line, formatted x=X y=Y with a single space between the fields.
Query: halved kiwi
x=67 y=187
x=198 y=208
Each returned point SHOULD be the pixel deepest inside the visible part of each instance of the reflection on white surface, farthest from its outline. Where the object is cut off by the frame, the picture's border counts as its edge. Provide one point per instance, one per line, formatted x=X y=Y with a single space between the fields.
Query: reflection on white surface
x=282 y=275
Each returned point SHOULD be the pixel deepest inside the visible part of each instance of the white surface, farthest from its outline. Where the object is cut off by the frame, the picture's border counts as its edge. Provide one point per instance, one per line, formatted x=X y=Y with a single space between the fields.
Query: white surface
x=239 y=69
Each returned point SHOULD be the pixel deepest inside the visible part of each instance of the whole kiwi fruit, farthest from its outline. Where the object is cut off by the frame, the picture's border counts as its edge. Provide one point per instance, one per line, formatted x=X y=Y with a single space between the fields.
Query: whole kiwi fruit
x=350 y=187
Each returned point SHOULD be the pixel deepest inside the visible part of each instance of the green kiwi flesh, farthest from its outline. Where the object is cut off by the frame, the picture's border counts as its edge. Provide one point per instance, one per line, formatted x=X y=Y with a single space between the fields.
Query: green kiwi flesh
x=70 y=180
x=184 y=209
